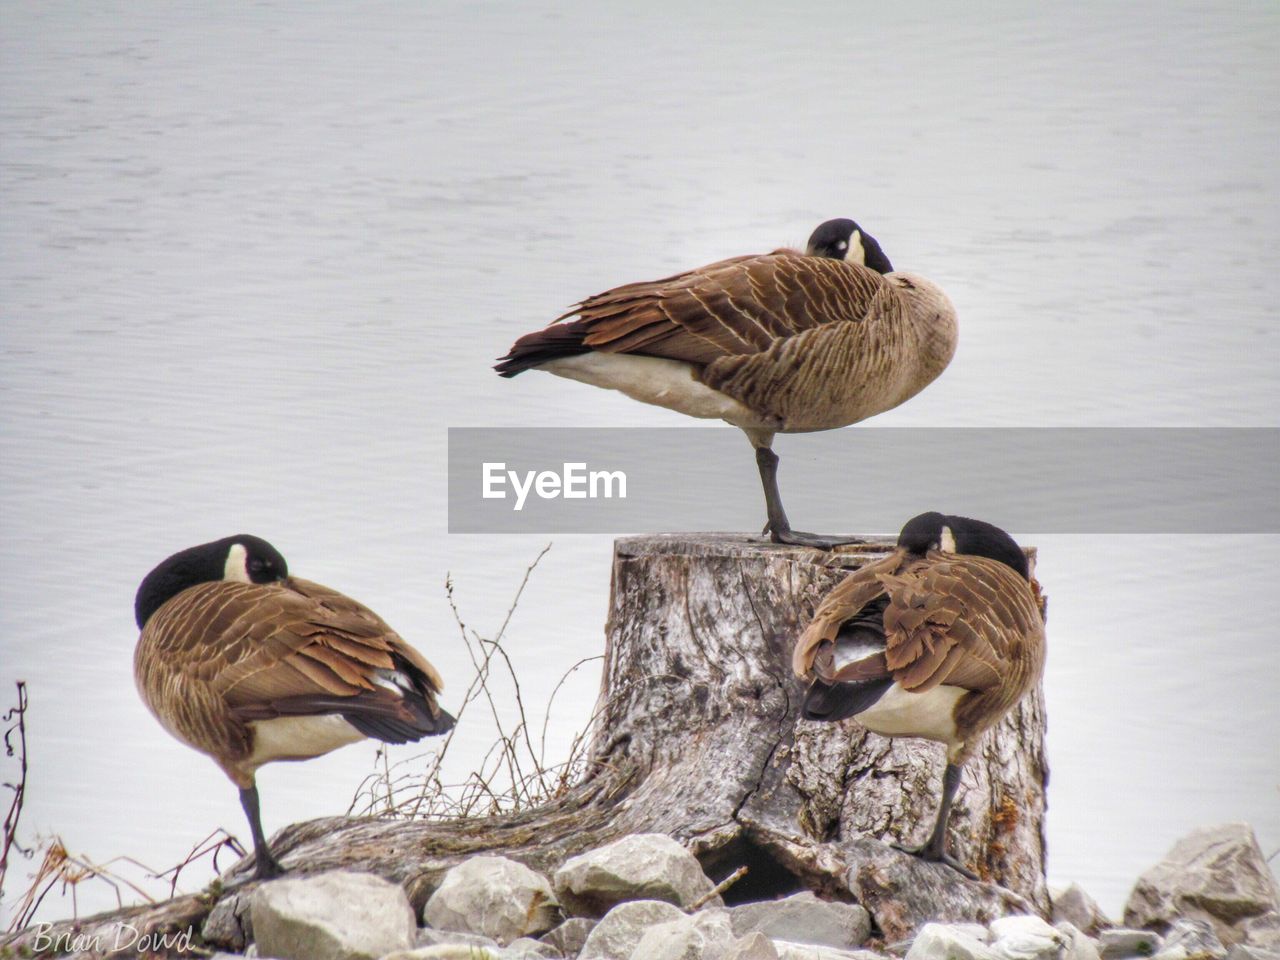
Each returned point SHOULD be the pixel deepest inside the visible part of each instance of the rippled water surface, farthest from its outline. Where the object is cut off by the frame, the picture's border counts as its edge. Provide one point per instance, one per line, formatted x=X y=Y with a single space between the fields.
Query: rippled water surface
x=256 y=259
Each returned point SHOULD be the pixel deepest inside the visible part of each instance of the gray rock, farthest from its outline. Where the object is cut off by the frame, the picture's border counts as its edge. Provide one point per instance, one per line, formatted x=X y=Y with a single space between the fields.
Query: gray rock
x=618 y=932
x=1195 y=937
x=1026 y=938
x=808 y=951
x=528 y=949
x=1120 y=942
x=903 y=892
x=449 y=951
x=1079 y=945
x=940 y=941
x=803 y=918
x=754 y=946
x=229 y=923
x=644 y=866
x=494 y=897
x=570 y=936
x=1244 y=952
x=703 y=936
x=331 y=916
x=1074 y=906
x=1263 y=931
x=1216 y=874
x=427 y=937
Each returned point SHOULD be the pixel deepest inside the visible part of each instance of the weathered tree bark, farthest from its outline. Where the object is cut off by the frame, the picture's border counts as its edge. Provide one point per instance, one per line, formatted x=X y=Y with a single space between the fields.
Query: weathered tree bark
x=700 y=707
x=697 y=737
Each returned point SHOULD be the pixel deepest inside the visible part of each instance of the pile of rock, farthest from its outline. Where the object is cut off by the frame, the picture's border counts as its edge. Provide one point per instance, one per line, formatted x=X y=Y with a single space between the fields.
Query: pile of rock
x=646 y=898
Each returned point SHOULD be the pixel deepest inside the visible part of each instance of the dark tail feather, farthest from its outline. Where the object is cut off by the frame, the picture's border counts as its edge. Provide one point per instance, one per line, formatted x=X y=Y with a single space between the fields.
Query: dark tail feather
x=830 y=702
x=550 y=343
x=412 y=720
x=380 y=713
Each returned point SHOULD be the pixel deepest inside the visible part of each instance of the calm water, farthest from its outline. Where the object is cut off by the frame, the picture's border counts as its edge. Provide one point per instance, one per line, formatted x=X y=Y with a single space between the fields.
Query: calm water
x=256 y=261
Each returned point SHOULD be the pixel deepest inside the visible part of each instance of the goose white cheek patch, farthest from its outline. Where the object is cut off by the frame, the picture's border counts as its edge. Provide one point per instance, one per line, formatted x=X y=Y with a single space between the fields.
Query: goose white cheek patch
x=855 y=253
x=237 y=565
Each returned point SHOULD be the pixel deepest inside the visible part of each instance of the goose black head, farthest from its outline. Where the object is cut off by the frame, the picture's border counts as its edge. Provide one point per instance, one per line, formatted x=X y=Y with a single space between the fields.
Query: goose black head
x=936 y=531
x=244 y=558
x=843 y=239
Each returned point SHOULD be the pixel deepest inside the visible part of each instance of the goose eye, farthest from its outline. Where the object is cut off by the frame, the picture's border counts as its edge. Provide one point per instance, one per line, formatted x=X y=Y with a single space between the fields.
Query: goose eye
x=842 y=245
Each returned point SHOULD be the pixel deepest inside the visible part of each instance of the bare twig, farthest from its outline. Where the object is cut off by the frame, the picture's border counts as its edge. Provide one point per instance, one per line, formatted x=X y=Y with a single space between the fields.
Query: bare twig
x=15 y=745
x=513 y=773
x=718 y=889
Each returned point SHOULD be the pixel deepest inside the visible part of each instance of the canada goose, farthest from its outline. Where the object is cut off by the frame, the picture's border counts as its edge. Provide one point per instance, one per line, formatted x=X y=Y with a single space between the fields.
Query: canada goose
x=783 y=342
x=249 y=665
x=938 y=640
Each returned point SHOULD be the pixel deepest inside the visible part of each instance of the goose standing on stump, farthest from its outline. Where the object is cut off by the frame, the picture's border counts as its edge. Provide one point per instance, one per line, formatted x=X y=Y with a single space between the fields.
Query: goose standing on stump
x=783 y=342
x=248 y=665
x=938 y=640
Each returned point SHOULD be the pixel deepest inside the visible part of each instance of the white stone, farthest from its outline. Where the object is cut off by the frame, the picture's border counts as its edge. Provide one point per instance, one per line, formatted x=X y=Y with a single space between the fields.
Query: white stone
x=1079 y=944
x=426 y=937
x=1120 y=942
x=807 y=951
x=449 y=951
x=1216 y=874
x=527 y=948
x=703 y=936
x=494 y=897
x=1242 y=952
x=649 y=866
x=803 y=918
x=940 y=941
x=754 y=946
x=618 y=932
x=1073 y=905
x=331 y=916
x=570 y=937
x=1194 y=937
x=1026 y=938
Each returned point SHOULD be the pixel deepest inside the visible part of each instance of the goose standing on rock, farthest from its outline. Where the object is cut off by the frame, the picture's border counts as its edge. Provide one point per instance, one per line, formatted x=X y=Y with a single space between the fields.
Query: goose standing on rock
x=783 y=342
x=938 y=640
x=249 y=665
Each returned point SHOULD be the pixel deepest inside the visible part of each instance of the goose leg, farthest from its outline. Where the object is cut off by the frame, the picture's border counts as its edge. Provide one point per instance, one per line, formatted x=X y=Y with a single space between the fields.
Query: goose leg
x=266 y=866
x=935 y=848
x=778 y=527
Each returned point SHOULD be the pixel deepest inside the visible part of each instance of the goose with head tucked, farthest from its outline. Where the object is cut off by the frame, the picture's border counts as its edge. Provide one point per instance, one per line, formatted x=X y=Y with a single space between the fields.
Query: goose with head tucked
x=939 y=640
x=247 y=664
x=784 y=342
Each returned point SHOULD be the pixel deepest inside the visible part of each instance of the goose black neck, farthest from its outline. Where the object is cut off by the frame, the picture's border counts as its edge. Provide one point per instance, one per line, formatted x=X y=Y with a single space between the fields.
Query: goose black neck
x=184 y=569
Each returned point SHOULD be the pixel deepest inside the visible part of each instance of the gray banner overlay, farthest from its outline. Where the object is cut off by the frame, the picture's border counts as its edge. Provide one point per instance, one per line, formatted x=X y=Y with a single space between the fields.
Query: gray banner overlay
x=866 y=480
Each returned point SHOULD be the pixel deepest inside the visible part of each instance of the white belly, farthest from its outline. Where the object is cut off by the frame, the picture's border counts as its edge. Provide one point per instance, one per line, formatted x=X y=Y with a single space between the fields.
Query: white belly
x=902 y=714
x=299 y=738
x=656 y=380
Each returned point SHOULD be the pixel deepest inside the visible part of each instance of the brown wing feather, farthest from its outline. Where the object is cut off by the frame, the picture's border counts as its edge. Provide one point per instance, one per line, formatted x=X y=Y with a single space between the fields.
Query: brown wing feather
x=964 y=621
x=848 y=597
x=736 y=307
x=221 y=653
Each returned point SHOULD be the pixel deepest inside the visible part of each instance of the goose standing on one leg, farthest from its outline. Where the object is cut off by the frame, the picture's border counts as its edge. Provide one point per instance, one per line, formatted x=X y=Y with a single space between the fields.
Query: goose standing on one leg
x=778 y=343
x=249 y=665
x=938 y=640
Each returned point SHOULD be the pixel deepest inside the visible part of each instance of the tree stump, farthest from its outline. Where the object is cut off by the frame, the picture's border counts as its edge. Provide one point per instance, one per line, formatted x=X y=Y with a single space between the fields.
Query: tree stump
x=697 y=737
x=699 y=714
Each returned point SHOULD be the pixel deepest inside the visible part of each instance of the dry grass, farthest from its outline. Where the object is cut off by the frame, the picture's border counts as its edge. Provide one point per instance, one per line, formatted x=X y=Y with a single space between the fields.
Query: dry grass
x=513 y=774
